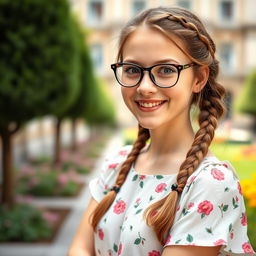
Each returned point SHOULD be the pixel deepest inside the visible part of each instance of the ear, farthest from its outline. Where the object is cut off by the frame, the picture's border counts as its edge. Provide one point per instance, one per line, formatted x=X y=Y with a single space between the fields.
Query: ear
x=202 y=75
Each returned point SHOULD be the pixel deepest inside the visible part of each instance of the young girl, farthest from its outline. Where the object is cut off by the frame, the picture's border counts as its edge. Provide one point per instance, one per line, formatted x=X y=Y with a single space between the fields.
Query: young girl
x=171 y=196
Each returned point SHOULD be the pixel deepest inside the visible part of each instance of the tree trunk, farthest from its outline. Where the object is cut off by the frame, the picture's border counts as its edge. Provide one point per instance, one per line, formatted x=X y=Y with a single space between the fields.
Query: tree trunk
x=7 y=191
x=73 y=135
x=57 y=141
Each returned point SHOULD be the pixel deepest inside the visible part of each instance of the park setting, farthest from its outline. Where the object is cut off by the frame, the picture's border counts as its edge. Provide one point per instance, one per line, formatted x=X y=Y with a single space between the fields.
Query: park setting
x=61 y=110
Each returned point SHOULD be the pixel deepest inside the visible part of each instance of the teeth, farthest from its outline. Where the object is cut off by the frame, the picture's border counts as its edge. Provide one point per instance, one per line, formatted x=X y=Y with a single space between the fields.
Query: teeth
x=150 y=105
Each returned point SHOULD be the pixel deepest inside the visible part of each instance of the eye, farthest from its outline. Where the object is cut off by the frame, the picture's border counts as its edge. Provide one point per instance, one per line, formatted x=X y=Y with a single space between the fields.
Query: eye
x=131 y=70
x=167 y=70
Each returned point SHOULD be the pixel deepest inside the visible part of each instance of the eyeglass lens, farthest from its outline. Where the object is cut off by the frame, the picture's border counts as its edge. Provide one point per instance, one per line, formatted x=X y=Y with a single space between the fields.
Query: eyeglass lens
x=163 y=75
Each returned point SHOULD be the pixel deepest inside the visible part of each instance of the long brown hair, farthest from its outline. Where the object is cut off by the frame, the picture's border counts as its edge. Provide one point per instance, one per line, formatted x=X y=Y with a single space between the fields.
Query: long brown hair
x=201 y=49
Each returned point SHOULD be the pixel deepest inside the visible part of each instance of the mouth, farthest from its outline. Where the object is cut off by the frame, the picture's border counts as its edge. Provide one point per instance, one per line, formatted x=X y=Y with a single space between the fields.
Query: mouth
x=149 y=105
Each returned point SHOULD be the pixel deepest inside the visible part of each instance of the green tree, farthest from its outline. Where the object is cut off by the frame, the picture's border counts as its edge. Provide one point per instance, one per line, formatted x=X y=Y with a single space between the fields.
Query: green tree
x=247 y=101
x=37 y=69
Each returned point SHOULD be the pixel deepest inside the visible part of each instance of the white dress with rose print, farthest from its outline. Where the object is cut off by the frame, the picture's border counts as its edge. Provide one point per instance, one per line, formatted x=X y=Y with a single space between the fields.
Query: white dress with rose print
x=210 y=212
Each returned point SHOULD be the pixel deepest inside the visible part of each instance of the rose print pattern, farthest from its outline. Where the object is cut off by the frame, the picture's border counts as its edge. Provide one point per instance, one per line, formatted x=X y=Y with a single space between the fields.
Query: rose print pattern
x=212 y=199
x=119 y=207
x=205 y=208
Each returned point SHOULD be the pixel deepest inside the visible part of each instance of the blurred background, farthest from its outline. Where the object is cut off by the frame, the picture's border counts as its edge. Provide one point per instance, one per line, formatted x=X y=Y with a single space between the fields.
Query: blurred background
x=61 y=110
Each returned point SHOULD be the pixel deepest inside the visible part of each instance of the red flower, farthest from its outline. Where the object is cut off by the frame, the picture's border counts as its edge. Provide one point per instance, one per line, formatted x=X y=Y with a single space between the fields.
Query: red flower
x=119 y=207
x=239 y=188
x=154 y=253
x=217 y=174
x=244 y=219
x=190 y=205
x=106 y=187
x=220 y=242
x=192 y=179
x=142 y=177
x=247 y=248
x=123 y=153
x=120 y=248
x=205 y=207
x=231 y=235
x=101 y=234
x=112 y=166
x=178 y=208
x=237 y=199
x=160 y=187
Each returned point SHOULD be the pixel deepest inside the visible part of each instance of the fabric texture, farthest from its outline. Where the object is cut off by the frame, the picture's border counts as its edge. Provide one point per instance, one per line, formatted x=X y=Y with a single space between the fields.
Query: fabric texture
x=210 y=212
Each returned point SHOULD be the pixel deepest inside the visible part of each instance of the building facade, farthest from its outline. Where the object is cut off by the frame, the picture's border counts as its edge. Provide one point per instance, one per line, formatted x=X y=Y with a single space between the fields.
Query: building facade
x=231 y=23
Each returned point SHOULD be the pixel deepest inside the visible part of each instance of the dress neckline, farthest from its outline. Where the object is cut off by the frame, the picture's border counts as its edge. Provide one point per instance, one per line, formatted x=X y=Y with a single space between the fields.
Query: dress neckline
x=164 y=175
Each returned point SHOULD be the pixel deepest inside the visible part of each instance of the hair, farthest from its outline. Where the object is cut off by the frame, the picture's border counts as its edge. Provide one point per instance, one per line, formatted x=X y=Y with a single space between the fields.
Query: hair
x=201 y=49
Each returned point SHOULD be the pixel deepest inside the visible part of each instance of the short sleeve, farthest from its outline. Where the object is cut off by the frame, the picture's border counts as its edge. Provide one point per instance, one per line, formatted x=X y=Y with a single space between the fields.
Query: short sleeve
x=110 y=166
x=211 y=212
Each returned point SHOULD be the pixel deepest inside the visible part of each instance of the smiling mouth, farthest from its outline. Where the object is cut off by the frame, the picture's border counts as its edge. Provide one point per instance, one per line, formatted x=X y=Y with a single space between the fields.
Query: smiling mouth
x=150 y=104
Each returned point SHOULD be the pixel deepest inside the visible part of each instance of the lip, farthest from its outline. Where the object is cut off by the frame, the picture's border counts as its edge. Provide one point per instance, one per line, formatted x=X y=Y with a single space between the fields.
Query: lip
x=150 y=109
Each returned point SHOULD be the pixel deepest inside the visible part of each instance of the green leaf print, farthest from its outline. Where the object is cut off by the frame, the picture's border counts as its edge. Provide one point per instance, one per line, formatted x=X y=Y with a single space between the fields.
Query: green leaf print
x=137 y=241
x=178 y=241
x=230 y=227
x=115 y=247
x=189 y=238
x=202 y=215
x=226 y=189
x=131 y=227
x=151 y=198
x=225 y=207
x=135 y=177
x=209 y=230
x=235 y=205
x=141 y=184
x=159 y=177
x=139 y=211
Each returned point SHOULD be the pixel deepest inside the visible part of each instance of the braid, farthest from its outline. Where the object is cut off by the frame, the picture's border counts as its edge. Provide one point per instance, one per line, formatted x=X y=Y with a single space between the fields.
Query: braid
x=105 y=203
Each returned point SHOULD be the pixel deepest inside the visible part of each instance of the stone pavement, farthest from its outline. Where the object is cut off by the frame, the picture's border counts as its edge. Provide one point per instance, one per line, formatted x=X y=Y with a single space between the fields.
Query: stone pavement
x=62 y=242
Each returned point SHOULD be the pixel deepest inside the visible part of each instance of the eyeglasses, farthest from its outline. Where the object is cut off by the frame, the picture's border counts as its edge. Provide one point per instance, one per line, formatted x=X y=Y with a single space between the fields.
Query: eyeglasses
x=162 y=75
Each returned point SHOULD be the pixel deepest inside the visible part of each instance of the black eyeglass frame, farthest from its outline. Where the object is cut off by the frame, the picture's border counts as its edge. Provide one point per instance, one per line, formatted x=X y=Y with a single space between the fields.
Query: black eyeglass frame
x=114 y=66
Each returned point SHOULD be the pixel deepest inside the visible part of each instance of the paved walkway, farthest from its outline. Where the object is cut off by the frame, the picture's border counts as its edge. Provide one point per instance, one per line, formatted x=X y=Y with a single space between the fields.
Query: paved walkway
x=65 y=236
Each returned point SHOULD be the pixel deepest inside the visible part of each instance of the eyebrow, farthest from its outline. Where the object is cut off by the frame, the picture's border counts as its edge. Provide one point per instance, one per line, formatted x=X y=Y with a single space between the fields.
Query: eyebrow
x=171 y=61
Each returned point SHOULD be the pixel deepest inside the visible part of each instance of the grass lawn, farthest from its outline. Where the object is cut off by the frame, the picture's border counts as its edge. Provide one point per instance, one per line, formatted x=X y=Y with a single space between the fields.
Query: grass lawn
x=240 y=156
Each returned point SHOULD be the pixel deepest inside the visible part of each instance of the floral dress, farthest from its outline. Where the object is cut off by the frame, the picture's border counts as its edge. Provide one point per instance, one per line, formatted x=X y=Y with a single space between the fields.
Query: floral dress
x=210 y=211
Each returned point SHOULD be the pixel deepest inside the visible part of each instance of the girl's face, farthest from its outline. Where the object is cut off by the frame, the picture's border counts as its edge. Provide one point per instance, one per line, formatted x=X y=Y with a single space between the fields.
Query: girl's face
x=146 y=47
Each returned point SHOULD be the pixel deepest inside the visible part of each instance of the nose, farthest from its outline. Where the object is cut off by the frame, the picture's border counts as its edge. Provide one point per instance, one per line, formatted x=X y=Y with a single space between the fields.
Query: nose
x=146 y=86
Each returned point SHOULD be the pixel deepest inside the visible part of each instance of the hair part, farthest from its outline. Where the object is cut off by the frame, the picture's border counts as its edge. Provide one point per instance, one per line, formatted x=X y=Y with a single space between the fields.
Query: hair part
x=201 y=49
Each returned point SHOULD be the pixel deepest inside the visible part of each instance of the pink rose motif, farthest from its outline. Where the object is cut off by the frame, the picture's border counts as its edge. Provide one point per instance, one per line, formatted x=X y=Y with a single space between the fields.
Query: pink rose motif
x=192 y=179
x=217 y=174
x=205 y=207
x=120 y=248
x=119 y=207
x=137 y=200
x=178 y=208
x=112 y=166
x=231 y=235
x=160 y=187
x=247 y=248
x=123 y=153
x=142 y=177
x=237 y=199
x=106 y=187
x=168 y=239
x=101 y=234
x=190 y=205
x=244 y=219
x=154 y=253
x=220 y=242
x=239 y=188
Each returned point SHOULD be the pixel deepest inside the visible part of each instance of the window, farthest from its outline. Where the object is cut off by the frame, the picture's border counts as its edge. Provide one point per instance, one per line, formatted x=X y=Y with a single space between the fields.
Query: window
x=226 y=10
x=97 y=56
x=95 y=12
x=184 y=4
x=227 y=57
x=138 y=6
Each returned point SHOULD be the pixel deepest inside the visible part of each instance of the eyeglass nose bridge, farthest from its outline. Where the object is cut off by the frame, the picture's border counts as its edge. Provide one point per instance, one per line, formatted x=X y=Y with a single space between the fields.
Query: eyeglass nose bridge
x=151 y=76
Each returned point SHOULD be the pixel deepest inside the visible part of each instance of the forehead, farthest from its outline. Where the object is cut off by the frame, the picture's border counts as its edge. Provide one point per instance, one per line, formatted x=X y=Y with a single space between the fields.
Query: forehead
x=149 y=45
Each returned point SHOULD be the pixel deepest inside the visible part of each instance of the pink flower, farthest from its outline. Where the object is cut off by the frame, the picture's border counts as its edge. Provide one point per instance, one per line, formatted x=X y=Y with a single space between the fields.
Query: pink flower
x=220 y=242
x=217 y=174
x=205 y=207
x=112 y=166
x=239 y=188
x=101 y=234
x=244 y=219
x=119 y=207
x=63 y=179
x=50 y=217
x=237 y=199
x=247 y=248
x=120 y=248
x=160 y=187
x=142 y=177
x=231 y=235
x=106 y=187
x=137 y=200
x=178 y=208
x=123 y=153
x=190 y=205
x=192 y=179
x=168 y=239
x=154 y=253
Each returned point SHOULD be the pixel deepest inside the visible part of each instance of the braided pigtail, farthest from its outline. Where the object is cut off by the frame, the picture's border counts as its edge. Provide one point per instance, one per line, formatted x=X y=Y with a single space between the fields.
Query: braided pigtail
x=105 y=203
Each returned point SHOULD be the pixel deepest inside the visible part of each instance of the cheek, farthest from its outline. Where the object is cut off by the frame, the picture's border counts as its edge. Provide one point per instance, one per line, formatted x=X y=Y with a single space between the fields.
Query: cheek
x=127 y=94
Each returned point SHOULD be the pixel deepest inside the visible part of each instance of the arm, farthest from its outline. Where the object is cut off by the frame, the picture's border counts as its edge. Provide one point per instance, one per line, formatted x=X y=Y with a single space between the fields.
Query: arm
x=83 y=242
x=179 y=250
